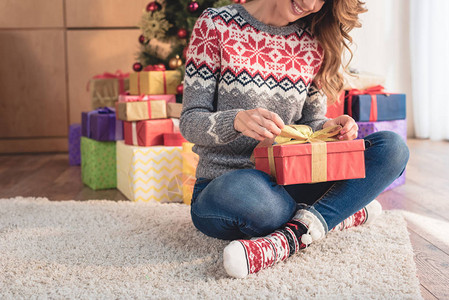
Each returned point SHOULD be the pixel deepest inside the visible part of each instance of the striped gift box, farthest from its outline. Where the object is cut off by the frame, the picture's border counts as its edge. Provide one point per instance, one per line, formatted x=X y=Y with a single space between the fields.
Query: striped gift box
x=149 y=173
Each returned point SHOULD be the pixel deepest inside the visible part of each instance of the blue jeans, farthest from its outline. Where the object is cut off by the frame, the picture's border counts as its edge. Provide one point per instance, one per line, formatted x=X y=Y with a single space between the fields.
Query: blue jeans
x=247 y=203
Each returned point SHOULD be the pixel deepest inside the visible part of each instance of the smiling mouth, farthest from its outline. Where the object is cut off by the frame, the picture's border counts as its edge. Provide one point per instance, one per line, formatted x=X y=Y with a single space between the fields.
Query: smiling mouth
x=296 y=8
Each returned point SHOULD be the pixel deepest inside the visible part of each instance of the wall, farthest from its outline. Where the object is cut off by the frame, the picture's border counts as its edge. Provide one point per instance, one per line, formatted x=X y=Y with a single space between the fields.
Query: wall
x=49 y=50
x=382 y=47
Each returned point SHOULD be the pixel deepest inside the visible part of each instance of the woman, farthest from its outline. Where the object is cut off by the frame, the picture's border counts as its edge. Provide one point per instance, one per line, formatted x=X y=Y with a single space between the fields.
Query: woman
x=250 y=69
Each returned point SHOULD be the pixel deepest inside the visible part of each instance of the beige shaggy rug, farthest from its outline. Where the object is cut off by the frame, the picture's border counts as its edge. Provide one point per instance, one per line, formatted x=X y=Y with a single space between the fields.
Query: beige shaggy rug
x=116 y=250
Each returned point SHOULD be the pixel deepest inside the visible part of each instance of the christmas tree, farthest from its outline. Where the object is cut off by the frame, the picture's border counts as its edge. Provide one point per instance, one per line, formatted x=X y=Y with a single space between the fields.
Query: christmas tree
x=166 y=28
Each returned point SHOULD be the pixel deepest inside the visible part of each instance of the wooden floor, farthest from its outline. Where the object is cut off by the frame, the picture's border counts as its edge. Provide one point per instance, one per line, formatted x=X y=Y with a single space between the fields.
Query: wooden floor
x=424 y=197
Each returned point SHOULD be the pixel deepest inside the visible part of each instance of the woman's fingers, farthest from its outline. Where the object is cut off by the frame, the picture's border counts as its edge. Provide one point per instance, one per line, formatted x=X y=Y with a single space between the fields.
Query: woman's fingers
x=268 y=126
x=277 y=124
x=258 y=123
x=260 y=129
x=253 y=134
x=351 y=133
x=269 y=120
x=350 y=127
x=347 y=126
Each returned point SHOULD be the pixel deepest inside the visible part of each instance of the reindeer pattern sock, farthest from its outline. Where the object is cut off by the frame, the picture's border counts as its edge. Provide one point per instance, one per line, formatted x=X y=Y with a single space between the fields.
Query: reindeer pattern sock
x=243 y=257
x=364 y=216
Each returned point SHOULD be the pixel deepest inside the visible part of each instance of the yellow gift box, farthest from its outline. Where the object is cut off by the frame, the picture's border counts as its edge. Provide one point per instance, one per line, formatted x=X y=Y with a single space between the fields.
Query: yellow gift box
x=189 y=163
x=154 y=82
x=149 y=173
x=141 y=110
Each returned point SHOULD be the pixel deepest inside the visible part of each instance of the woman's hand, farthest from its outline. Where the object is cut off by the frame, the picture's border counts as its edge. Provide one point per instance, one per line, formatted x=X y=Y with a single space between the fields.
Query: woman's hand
x=258 y=123
x=349 y=130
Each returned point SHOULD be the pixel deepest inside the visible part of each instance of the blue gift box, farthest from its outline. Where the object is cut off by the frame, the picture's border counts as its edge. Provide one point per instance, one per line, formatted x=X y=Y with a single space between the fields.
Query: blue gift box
x=389 y=107
x=101 y=125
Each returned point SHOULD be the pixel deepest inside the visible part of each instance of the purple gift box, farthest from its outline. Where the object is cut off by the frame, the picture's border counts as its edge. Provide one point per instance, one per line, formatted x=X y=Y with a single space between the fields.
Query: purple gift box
x=398 y=126
x=74 y=144
x=101 y=125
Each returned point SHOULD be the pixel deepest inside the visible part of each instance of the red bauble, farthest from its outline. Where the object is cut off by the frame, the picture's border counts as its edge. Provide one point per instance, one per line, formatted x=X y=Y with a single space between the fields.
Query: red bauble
x=137 y=67
x=193 y=6
x=142 y=40
x=154 y=6
x=182 y=33
x=180 y=89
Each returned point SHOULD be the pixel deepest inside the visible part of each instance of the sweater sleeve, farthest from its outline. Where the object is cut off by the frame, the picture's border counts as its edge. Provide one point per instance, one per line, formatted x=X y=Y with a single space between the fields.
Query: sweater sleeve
x=314 y=109
x=200 y=122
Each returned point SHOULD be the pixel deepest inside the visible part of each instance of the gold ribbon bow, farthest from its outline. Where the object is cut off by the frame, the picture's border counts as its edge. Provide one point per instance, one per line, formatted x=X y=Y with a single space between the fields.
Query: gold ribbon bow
x=300 y=134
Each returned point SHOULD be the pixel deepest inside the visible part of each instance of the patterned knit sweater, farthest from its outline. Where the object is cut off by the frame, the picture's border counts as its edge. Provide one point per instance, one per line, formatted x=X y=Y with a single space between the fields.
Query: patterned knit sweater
x=235 y=62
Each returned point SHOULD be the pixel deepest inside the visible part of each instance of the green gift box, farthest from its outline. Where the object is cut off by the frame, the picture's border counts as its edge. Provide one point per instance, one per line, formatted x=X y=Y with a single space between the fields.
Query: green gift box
x=98 y=164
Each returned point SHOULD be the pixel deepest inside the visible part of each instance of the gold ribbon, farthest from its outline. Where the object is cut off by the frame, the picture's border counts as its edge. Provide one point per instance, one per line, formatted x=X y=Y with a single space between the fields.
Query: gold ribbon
x=301 y=134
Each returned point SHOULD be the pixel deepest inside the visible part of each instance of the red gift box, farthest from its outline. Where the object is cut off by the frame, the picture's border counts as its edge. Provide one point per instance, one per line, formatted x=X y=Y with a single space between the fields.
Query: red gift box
x=174 y=139
x=297 y=162
x=148 y=132
x=337 y=108
x=293 y=163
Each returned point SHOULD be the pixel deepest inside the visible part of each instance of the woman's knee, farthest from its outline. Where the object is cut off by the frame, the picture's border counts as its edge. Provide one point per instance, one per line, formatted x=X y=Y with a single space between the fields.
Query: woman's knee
x=251 y=198
x=390 y=147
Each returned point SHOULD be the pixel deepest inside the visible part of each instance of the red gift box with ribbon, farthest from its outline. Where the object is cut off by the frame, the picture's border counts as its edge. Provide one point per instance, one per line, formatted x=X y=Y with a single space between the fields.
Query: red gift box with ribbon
x=174 y=139
x=147 y=133
x=375 y=104
x=311 y=157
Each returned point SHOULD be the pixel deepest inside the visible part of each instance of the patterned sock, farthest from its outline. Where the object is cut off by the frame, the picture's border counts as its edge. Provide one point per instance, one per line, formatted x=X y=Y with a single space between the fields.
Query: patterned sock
x=243 y=257
x=364 y=216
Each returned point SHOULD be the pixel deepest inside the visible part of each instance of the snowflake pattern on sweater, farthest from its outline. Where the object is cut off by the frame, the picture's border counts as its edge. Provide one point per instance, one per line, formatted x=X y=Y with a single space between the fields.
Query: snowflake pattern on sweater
x=235 y=62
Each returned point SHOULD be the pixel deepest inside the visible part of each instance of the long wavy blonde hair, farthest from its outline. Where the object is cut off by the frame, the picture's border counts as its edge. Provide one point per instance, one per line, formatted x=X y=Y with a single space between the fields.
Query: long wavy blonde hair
x=331 y=26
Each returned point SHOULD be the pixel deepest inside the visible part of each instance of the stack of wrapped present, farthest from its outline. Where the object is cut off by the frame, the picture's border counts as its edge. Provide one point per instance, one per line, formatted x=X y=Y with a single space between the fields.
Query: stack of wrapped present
x=131 y=140
x=99 y=132
x=149 y=160
x=104 y=92
x=373 y=108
